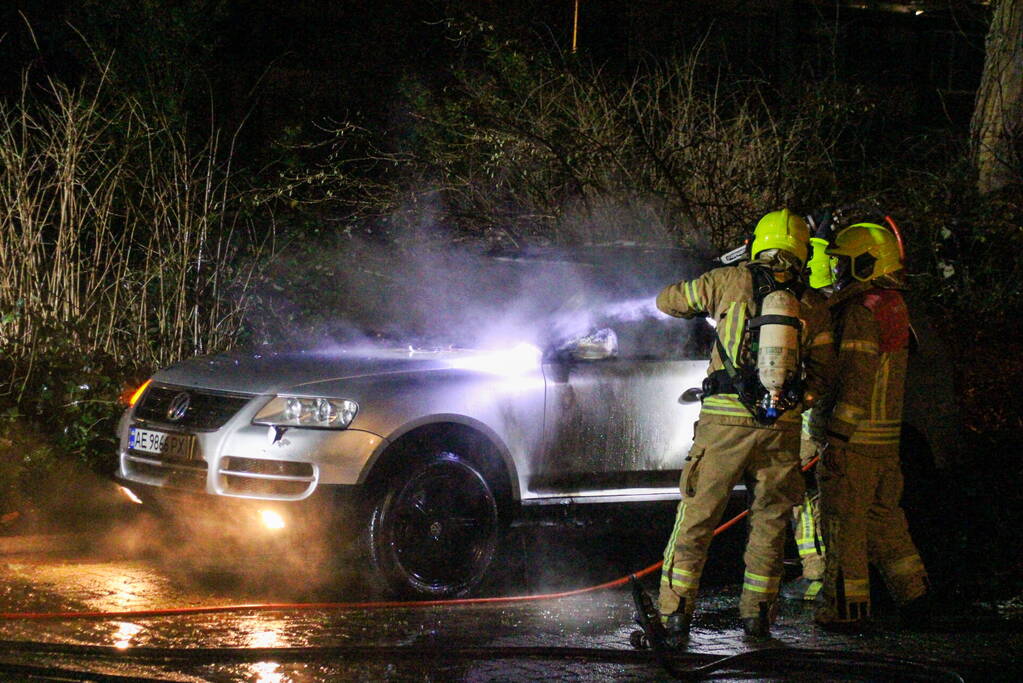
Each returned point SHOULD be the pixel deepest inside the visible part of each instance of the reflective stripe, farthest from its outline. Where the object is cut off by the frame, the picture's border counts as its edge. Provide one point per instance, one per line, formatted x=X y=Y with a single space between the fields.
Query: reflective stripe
x=880 y=402
x=724 y=404
x=881 y=425
x=678 y=579
x=822 y=339
x=760 y=584
x=806 y=541
x=862 y=346
x=812 y=590
x=804 y=538
x=910 y=565
x=856 y=589
x=847 y=412
x=669 y=550
x=729 y=405
x=684 y=580
x=723 y=330
x=732 y=332
x=872 y=430
x=812 y=427
x=694 y=300
x=874 y=440
x=877 y=432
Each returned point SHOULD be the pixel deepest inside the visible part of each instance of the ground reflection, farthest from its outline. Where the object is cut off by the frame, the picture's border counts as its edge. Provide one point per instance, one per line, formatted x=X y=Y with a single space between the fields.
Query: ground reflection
x=124 y=634
x=266 y=672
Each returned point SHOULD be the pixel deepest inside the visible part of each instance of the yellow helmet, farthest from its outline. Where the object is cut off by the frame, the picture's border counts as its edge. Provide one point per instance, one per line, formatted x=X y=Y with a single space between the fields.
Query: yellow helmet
x=781 y=230
x=821 y=265
x=872 y=250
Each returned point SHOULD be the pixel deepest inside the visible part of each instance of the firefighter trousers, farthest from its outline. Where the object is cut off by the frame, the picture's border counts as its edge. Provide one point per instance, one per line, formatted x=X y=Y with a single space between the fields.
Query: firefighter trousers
x=862 y=522
x=809 y=540
x=723 y=455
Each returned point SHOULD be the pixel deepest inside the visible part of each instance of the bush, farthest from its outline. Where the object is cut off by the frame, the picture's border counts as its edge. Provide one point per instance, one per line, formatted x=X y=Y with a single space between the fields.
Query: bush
x=517 y=146
x=24 y=455
x=117 y=236
x=125 y=247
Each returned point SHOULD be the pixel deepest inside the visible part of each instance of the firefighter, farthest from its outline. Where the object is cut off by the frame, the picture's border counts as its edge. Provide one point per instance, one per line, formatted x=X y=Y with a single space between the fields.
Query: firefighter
x=859 y=477
x=806 y=524
x=742 y=434
x=806 y=517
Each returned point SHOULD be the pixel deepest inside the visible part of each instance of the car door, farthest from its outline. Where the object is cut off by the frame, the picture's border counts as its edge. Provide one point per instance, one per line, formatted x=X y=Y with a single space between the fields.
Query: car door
x=614 y=425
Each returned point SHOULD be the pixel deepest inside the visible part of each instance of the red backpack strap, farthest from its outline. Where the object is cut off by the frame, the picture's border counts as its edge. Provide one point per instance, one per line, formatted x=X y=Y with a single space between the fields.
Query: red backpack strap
x=892 y=316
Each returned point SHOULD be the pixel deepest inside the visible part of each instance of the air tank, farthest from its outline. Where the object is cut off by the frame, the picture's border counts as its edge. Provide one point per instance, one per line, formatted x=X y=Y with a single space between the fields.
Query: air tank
x=778 y=348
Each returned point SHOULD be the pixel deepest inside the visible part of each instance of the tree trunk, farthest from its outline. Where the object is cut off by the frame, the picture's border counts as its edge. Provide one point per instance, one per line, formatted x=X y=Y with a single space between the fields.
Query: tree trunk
x=996 y=130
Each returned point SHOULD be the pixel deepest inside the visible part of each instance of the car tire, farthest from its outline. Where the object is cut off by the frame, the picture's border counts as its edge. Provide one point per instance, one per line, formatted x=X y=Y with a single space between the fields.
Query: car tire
x=433 y=529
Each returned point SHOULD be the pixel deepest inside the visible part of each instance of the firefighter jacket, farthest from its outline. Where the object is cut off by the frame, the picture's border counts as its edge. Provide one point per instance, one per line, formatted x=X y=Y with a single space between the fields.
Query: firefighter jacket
x=726 y=295
x=872 y=336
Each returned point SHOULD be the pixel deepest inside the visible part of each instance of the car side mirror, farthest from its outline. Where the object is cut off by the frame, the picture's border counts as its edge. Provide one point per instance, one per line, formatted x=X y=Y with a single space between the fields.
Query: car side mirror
x=601 y=345
x=691 y=395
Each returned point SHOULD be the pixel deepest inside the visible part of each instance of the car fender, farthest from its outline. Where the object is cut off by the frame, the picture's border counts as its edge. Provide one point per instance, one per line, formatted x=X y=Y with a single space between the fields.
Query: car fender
x=508 y=410
x=493 y=438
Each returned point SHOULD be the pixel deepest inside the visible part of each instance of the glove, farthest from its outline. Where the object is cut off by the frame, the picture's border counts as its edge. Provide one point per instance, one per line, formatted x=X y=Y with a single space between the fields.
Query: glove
x=833 y=455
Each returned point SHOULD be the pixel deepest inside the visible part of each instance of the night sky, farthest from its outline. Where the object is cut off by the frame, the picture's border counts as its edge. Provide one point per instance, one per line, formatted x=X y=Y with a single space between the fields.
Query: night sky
x=287 y=65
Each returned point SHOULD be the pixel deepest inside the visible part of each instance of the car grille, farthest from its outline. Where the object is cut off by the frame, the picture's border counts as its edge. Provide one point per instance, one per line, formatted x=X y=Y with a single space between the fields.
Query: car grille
x=176 y=474
x=207 y=411
x=257 y=477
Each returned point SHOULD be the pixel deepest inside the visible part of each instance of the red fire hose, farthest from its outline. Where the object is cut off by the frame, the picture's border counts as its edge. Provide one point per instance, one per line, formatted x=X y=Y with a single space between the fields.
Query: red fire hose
x=387 y=604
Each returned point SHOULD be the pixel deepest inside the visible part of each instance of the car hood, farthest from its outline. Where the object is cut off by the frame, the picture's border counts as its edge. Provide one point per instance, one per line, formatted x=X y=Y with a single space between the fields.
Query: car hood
x=273 y=372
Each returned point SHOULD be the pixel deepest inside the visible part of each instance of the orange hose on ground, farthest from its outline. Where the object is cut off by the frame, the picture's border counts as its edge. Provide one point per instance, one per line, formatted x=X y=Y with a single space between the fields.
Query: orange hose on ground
x=386 y=604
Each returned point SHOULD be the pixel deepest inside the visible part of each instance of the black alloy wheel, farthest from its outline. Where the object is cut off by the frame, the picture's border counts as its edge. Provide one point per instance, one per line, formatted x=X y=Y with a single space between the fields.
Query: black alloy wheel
x=433 y=531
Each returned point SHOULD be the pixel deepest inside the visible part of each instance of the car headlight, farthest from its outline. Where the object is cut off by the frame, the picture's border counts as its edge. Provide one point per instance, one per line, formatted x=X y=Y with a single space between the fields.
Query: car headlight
x=294 y=411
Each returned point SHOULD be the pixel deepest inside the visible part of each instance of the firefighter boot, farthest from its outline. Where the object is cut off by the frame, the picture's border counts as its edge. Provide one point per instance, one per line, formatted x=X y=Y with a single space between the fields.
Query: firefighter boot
x=802 y=589
x=659 y=631
x=760 y=625
x=918 y=613
x=676 y=625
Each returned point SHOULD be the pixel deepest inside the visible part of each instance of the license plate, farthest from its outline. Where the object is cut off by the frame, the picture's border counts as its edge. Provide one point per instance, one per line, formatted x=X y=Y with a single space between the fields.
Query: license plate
x=178 y=446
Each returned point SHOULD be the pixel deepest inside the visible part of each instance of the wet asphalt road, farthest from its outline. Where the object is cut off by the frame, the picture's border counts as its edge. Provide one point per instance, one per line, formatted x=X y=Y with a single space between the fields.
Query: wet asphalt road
x=135 y=565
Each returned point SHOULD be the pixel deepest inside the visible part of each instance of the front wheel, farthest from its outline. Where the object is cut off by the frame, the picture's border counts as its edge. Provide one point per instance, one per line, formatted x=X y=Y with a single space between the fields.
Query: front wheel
x=433 y=530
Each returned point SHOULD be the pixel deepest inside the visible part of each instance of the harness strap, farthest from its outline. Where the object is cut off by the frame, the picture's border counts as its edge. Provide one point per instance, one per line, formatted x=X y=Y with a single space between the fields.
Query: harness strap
x=762 y=320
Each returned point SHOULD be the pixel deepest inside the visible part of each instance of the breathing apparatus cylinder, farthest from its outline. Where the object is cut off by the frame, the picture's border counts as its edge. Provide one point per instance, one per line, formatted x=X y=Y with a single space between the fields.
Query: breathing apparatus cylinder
x=778 y=347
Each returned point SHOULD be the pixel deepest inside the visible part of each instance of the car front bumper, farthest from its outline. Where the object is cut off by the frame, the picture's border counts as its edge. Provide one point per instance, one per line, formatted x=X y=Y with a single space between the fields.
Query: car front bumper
x=243 y=460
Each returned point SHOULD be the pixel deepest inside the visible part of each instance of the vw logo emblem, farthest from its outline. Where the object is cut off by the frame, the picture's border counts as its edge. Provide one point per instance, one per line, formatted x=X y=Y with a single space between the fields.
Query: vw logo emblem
x=178 y=407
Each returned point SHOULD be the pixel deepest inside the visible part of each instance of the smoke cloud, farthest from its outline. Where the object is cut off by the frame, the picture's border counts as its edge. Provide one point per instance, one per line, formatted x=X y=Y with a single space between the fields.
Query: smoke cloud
x=365 y=293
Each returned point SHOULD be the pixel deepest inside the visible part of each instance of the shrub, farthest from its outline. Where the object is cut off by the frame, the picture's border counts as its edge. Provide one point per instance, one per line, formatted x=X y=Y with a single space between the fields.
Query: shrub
x=124 y=247
x=520 y=146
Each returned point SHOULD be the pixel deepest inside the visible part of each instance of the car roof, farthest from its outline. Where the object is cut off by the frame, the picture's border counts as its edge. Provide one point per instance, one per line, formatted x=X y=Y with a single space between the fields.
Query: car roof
x=614 y=266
